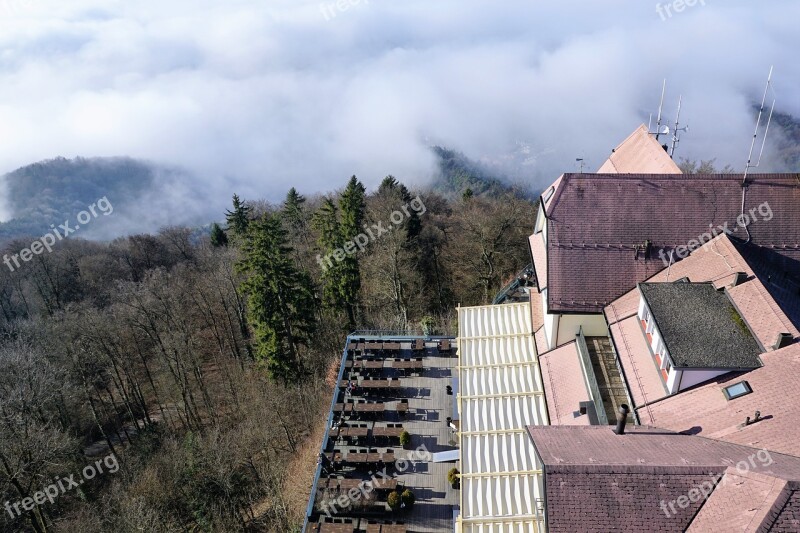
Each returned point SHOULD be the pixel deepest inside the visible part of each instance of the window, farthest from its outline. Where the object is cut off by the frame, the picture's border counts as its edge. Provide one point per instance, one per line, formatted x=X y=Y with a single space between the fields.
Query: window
x=736 y=391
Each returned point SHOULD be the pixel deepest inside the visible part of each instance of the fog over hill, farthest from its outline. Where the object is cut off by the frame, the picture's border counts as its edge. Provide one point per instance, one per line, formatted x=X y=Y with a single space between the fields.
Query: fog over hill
x=258 y=97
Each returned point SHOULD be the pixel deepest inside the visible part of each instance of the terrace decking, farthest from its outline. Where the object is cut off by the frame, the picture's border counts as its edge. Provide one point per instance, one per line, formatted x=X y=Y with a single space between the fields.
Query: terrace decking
x=387 y=387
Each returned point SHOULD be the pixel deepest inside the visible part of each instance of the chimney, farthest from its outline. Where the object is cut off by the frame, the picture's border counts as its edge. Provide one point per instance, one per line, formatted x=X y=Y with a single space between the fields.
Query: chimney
x=623 y=419
x=783 y=340
x=738 y=279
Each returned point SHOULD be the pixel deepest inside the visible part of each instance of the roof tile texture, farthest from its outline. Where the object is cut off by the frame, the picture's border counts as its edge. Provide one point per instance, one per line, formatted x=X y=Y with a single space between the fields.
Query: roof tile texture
x=564 y=386
x=595 y=223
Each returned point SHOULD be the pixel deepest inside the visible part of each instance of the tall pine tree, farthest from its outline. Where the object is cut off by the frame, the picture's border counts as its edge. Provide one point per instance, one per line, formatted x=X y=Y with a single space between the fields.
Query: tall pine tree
x=238 y=218
x=218 y=237
x=326 y=224
x=352 y=205
x=280 y=298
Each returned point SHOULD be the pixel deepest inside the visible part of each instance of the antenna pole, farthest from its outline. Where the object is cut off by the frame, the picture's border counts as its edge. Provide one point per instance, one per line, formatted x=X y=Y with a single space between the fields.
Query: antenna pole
x=675 y=138
x=660 y=108
x=758 y=126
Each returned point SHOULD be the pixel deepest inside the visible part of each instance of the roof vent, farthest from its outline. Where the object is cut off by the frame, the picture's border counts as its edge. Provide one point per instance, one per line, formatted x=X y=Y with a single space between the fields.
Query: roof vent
x=738 y=279
x=783 y=340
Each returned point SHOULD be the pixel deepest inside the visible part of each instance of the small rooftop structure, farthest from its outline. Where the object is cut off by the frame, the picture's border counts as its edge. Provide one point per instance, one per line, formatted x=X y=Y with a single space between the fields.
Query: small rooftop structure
x=700 y=327
x=639 y=153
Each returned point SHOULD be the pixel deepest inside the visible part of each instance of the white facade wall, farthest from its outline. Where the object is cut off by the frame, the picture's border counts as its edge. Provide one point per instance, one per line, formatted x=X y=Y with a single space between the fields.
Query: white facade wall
x=570 y=325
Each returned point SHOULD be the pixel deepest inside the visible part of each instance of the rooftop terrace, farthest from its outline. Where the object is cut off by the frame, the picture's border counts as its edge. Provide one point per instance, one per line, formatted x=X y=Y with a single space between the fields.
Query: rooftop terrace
x=387 y=386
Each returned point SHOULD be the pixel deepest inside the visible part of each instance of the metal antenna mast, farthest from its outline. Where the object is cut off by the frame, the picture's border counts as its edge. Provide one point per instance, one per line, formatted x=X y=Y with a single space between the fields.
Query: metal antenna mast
x=660 y=108
x=676 y=133
x=758 y=127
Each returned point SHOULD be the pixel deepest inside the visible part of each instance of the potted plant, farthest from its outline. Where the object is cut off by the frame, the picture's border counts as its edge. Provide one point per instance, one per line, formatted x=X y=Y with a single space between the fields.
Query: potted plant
x=452 y=477
x=408 y=498
x=394 y=500
x=405 y=438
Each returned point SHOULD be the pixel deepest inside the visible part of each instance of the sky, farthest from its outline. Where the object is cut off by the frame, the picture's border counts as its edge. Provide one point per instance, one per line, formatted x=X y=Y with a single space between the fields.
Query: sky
x=257 y=97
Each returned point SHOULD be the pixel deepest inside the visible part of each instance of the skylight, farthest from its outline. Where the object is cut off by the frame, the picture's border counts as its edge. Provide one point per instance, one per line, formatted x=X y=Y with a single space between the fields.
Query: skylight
x=735 y=391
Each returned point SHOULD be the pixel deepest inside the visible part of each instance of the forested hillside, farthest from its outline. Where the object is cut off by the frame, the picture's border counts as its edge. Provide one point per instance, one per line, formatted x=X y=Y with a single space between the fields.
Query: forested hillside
x=204 y=365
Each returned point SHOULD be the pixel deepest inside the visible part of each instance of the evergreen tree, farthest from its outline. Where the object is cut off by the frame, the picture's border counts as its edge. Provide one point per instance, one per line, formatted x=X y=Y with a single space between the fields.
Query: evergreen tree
x=218 y=236
x=293 y=210
x=280 y=299
x=352 y=205
x=238 y=218
x=391 y=187
x=326 y=223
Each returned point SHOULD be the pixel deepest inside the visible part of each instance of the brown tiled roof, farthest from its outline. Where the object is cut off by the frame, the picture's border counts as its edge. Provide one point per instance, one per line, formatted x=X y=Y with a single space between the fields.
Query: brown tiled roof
x=539 y=256
x=787 y=519
x=779 y=274
x=541 y=341
x=564 y=386
x=596 y=222
x=742 y=501
x=705 y=411
x=600 y=481
x=718 y=263
x=537 y=313
x=640 y=152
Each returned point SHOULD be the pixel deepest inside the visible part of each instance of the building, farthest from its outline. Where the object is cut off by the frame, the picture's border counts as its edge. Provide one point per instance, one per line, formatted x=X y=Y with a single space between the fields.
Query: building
x=679 y=296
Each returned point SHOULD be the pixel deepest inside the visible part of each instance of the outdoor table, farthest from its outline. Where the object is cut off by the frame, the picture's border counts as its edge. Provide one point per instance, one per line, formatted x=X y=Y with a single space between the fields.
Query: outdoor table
x=380 y=384
x=343 y=485
x=387 y=432
x=343 y=407
x=364 y=458
x=335 y=528
x=391 y=346
x=407 y=364
x=402 y=408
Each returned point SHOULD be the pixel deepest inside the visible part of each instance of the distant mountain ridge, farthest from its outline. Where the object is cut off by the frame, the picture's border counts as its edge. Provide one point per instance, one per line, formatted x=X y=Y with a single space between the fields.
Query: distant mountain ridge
x=145 y=196
x=457 y=173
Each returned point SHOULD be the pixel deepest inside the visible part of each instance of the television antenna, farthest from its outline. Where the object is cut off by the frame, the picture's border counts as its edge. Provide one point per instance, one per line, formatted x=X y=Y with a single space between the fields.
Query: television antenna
x=758 y=128
x=753 y=144
x=579 y=160
x=677 y=130
x=659 y=131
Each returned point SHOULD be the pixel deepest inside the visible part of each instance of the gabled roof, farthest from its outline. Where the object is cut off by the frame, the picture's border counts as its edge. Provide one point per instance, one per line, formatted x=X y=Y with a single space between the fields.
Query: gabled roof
x=700 y=326
x=564 y=386
x=641 y=153
x=745 y=501
x=705 y=411
x=598 y=226
x=627 y=482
